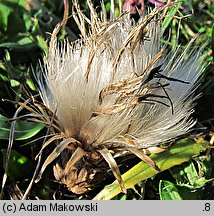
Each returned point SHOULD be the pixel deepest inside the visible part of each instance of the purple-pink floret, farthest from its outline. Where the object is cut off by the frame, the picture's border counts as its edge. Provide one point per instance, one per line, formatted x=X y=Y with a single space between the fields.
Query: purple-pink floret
x=132 y=5
x=158 y=3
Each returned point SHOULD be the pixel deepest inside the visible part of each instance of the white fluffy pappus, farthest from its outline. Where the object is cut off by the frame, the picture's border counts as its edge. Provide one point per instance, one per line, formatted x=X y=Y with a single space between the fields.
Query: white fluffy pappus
x=116 y=89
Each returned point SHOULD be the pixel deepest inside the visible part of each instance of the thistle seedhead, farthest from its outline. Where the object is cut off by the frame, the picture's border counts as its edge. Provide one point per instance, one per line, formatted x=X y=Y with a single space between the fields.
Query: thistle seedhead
x=115 y=90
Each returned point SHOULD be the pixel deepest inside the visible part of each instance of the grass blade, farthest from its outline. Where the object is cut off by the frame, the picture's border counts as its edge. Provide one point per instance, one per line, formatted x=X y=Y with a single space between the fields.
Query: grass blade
x=182 y=151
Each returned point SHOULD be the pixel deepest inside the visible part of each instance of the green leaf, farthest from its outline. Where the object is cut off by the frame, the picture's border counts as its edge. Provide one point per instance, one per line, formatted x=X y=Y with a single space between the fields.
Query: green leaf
x=168 y=19
x=19 y=165
x=4 y=13
x=123 y=197
x=20 y=42
x=188 y=175
x=30 y=84
x=27 y=19
x=108 y=6
x=42 y=43
x=180 y=152
x=191 y=173
x=16 y=19
x=188 y=193
x=23 y=129
x=168 y=191
x=200 y=182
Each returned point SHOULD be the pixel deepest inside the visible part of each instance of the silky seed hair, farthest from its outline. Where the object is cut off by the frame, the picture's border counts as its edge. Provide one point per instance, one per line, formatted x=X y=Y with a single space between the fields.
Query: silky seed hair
x=115 y=90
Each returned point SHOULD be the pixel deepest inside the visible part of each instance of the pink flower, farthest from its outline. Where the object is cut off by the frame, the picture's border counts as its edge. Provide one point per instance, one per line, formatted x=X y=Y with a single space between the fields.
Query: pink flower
x=159 y=3
x=132 y=5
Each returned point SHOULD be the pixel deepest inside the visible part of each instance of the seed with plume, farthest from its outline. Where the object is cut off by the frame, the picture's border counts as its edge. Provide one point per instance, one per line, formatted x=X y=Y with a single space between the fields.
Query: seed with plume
x=115 y=90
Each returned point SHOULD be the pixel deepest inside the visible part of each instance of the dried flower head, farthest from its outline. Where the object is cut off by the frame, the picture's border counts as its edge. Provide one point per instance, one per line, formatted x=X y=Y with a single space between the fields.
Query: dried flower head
x=115 y=90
